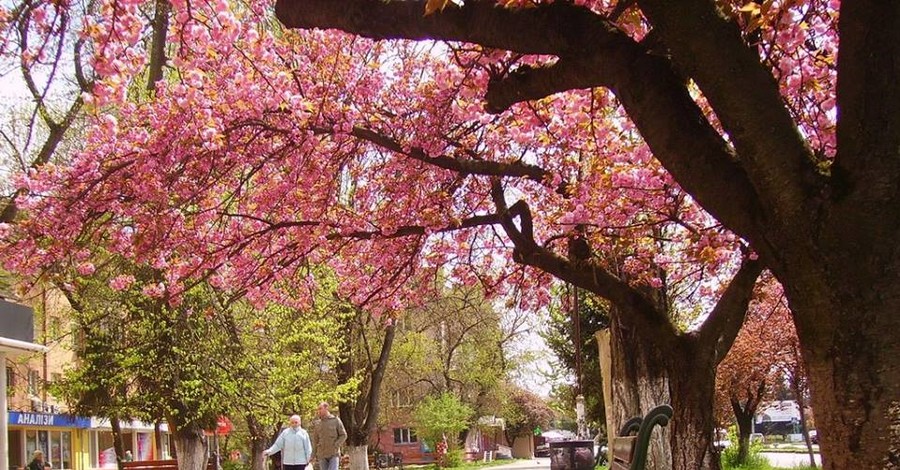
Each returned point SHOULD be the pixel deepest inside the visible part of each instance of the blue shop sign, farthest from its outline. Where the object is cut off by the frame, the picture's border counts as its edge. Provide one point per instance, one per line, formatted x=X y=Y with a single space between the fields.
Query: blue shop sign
x=19 y=418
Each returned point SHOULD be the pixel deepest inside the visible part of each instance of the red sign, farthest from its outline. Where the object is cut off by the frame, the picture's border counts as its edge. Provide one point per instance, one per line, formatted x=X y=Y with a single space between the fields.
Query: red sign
x=223 y=426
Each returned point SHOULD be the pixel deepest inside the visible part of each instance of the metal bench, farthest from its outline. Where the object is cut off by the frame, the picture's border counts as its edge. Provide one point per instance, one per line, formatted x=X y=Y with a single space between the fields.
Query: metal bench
x=629 y=450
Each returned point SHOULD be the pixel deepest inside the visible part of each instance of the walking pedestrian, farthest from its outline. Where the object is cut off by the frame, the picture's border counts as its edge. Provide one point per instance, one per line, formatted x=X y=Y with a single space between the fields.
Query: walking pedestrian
x=328 y=437
x=294 y=445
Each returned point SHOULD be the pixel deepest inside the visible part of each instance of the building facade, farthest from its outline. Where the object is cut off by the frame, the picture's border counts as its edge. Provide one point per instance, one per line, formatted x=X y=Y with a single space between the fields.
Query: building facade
x=35 y=419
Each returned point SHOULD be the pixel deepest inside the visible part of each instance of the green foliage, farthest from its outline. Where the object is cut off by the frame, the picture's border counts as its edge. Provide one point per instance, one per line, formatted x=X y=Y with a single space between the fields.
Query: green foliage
x=455 y=458
x=188 y=361
x=453 y=343
x=234 y=465
x=442 y=415
x=755 y=461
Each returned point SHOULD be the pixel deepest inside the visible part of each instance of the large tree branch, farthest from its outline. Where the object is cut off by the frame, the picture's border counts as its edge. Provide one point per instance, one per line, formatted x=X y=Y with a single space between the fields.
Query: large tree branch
x=584 y=274
x=724 y=322
x=747 y=100
x=532 y=83
x=867 y=165
x=668 y=118
x=158 y=43
x=558 y=28
x=462 y=166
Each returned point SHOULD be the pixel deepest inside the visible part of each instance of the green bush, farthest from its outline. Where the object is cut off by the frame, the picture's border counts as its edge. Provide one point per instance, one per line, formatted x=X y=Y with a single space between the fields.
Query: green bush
x=455 y=458
x=234 y=465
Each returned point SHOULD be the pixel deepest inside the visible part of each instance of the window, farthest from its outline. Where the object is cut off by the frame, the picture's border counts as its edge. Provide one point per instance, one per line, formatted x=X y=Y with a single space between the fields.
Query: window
x=10 y=380
x=56 y=445
x=103 y=454
x=404 y=436
x=34 y=378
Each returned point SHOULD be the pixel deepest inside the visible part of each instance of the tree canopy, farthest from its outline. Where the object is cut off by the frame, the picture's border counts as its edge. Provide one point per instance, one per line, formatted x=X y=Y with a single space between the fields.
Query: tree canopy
x=551 y=134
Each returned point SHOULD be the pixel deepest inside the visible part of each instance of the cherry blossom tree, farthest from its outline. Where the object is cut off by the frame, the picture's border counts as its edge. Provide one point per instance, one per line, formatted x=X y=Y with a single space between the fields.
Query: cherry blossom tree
x=749 y=374
x=268 y=151
x=800 y=158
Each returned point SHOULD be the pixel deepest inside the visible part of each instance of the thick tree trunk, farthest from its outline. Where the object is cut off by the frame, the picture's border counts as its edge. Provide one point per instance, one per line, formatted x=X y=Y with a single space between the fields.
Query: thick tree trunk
x=259 y=436
x=359 y=457
x=638 y=385
x=851 y=349
x=692 y=381
x=857 y=401
x=190 y=447
x=117 y=441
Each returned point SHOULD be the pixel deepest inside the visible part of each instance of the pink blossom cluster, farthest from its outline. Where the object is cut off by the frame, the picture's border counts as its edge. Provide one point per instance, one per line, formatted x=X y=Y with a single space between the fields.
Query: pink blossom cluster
x=267 y=154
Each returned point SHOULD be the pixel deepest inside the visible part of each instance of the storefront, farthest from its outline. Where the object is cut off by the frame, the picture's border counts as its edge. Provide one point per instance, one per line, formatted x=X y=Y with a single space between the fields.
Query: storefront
x=57 y=435
x=137 y=438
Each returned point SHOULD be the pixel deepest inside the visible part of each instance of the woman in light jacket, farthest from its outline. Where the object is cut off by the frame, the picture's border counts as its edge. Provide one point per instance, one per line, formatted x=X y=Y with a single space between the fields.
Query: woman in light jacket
x=294 y=445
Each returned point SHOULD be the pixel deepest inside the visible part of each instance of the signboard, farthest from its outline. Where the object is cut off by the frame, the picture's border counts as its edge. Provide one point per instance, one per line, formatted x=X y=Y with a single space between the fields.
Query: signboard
x=20 y=418
x=223 y=427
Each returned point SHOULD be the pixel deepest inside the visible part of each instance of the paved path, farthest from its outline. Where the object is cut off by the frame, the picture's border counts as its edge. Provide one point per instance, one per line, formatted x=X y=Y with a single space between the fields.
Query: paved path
x=540 y=463
x=777 y=459
x=788 y=460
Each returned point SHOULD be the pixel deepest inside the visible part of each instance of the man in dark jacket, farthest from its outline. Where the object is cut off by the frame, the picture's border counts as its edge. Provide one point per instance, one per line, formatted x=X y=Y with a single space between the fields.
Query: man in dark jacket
x=328 y=437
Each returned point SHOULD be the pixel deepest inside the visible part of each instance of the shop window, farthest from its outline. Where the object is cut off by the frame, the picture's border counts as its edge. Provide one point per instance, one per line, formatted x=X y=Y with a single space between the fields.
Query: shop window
x=165 y=446
x=404 y=436
x=66 y=443
x=103 y=454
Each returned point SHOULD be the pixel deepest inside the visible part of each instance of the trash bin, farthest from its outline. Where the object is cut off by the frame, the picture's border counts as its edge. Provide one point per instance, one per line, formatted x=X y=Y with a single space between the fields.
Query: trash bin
x=572 y=455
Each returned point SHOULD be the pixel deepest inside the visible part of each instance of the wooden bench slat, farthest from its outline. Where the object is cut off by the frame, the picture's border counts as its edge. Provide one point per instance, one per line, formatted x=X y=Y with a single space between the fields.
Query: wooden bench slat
x=623 y=448
x=629 y=451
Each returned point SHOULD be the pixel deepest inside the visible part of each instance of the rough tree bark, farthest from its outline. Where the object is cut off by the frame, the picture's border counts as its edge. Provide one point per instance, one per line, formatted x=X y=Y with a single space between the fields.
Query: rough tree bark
x=190 y=447
x=639 y=383
x=361 y=416
x=259 y=438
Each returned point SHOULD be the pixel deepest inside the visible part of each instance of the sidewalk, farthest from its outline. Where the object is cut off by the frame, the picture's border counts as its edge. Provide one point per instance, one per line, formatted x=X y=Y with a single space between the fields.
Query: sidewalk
x=542 y=463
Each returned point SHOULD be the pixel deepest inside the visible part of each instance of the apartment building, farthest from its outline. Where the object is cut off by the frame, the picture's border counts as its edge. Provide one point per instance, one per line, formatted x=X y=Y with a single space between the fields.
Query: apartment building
x=35 y=419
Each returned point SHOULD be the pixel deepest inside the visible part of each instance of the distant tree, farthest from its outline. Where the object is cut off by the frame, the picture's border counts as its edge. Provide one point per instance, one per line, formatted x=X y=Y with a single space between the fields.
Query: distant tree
x=457 y=341
x=750 y=373
x=440 y=416
x=525 y=411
